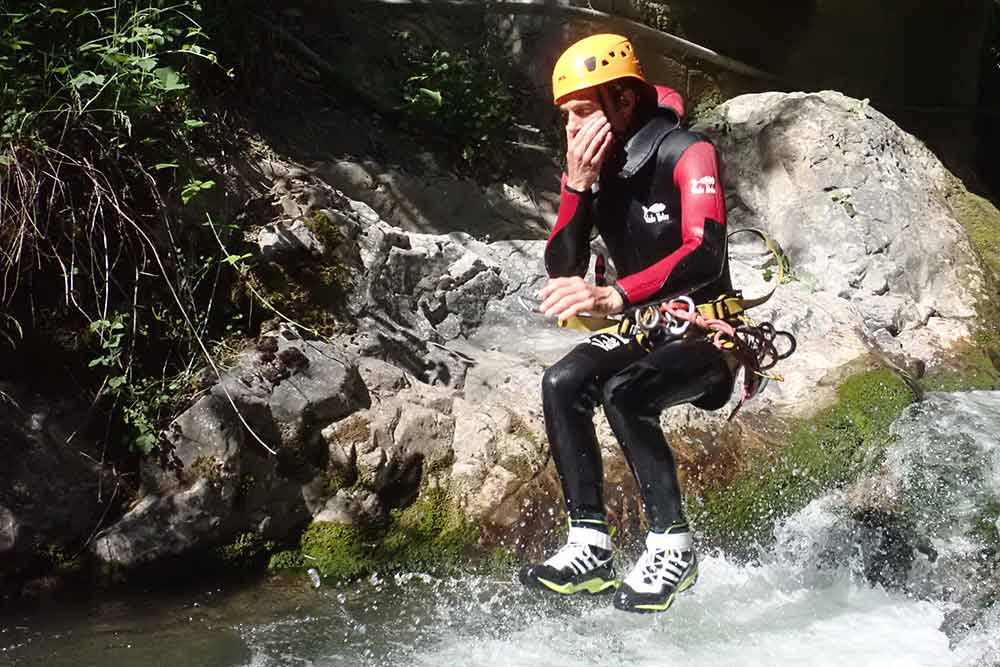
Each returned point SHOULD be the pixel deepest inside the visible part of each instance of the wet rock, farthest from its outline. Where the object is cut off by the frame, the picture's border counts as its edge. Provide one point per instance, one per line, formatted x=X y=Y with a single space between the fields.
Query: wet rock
x=53 y=490
x=437 y=202
x=448 y=394
x=388 y=448
x=860 y=209
x=228 y=484
x=163 y=526
x=288 y=238
x=352 y=507
x=382 y=377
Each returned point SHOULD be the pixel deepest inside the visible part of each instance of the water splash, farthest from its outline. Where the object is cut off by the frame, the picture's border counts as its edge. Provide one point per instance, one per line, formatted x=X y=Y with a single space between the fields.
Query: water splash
x=808 y=600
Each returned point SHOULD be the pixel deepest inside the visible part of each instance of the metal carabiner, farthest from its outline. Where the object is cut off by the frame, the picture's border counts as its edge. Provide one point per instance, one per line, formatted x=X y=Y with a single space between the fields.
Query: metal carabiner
x=677 y=329
x=648 y=318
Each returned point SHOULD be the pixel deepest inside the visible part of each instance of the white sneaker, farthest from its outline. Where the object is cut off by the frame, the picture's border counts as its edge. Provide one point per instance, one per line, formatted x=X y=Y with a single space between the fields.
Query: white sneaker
x=667 y=567
x=584 y=563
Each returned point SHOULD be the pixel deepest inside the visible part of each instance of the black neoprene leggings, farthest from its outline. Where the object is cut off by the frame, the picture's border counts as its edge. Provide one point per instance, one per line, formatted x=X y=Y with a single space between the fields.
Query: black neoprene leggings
x=635 y=386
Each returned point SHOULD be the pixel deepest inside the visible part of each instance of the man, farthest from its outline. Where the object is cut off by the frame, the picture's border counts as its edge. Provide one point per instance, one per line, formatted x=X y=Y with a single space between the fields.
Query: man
x=652 y=190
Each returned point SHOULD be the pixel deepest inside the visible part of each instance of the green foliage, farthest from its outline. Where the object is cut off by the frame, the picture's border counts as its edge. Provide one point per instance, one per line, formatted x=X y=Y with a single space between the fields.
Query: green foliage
x=826 y=452
x=246 y=550
x=117 y=65
x=468 y=94
x=195 y=187
x=96 y=112
x=110 y=335
x=142 y=400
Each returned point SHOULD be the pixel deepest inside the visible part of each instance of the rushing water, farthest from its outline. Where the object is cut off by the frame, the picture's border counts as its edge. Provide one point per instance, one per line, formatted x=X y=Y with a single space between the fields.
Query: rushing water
x=804 y=603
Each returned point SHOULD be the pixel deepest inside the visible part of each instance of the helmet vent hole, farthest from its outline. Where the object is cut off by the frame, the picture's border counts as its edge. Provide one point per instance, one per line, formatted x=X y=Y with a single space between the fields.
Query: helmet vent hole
x=604 y=63
x=624 y=55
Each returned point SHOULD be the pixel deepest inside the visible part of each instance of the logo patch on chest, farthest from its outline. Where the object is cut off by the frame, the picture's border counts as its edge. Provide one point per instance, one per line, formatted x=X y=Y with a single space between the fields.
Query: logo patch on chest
x=703 y=186
x=655 y=213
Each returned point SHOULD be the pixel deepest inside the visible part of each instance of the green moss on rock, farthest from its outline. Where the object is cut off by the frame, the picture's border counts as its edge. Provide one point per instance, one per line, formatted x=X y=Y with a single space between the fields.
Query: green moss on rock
x=826 y=452
x=981 y=221
x=500 y=562
x=519 y=428
x=431 y=534
x=985 y=523
x=970 y=369
x=290 y=559
x=245 y=550
x=313 y=290
x=977 y=366
x=207 y=467
x=336 y=550
x=308 y=292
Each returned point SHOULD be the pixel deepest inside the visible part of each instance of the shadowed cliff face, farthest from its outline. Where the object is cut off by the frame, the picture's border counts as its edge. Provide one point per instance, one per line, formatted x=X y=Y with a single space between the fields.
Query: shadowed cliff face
x=898 y=52
x=920 y=63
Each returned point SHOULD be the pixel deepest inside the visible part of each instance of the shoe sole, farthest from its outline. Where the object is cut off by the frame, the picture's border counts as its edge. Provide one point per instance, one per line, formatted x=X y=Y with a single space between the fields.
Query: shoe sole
x=592 y=586
x=665 y=605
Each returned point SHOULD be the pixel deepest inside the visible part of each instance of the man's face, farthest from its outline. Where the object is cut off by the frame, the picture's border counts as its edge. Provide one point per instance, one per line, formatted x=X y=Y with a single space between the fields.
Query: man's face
x=583 y=104
x=578 y=108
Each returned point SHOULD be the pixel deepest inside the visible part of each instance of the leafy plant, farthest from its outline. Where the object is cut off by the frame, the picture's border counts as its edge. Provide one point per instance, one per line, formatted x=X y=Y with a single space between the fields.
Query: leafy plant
x=143 y=401
x=97 y=123
x=116 y=64
x=468 y=94
x=194 y=187
x=110 y=334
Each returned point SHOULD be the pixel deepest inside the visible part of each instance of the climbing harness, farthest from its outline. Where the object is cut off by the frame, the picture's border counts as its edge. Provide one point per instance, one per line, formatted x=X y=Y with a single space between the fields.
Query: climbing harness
x=753 y=346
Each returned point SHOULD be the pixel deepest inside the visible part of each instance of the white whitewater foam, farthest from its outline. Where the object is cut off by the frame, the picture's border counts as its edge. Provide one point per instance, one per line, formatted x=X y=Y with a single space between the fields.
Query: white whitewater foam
x=735 y=615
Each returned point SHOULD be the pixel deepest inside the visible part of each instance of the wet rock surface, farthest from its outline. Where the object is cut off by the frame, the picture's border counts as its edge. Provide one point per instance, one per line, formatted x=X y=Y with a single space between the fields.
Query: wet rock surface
x=53 y=489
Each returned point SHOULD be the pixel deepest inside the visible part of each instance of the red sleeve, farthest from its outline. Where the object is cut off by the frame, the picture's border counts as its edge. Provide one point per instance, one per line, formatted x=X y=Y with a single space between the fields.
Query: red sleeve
x=567 y=252
x=568 y=203
x=696 y=175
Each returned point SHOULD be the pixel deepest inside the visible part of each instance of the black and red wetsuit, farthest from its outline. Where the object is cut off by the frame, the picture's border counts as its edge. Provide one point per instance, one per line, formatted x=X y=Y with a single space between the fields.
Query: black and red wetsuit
x=659 y=208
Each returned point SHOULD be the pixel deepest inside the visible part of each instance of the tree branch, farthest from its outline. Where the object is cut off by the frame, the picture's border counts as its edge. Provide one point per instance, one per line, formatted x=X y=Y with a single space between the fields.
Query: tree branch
x=566 y=9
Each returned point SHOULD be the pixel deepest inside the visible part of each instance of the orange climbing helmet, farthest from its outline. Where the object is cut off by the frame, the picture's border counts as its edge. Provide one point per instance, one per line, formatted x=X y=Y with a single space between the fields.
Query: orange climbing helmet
x=592 y=61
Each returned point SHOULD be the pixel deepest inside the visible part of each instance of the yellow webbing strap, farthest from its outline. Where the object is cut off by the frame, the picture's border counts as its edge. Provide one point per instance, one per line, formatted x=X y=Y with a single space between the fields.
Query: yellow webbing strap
x=750 y=303
x=591 y=323
x=726 y=307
